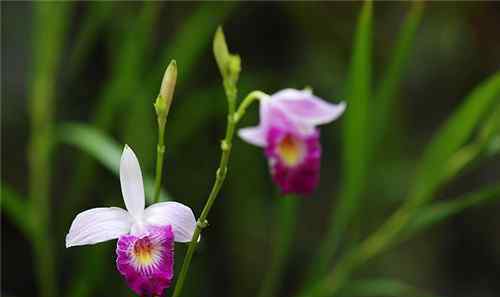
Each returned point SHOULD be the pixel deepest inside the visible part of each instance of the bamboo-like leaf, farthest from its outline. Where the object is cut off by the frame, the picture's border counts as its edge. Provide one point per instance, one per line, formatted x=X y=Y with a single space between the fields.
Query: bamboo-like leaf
x=50 y=22
x=193 y=38
x=382 y=287
x=17 y=209
x=454 y=133
x=355 y=139
x=440 y=211
x=387 y=91
x=101 y=148
x=286 y=222
x=98 y=14
x=127 y=65
x=188 y=44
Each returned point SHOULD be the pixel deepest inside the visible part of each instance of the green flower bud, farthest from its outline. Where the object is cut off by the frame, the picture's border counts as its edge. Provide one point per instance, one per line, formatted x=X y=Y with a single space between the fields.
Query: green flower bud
x=229 y=64
x=164 y=99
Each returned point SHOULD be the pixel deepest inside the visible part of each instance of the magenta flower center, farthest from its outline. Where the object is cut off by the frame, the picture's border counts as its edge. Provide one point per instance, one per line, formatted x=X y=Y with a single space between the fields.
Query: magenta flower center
x=291 y=150
x=143 y=250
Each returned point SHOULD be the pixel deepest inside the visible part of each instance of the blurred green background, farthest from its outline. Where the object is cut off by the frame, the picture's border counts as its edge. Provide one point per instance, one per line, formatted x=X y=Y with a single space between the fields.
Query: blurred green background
x=79 y=80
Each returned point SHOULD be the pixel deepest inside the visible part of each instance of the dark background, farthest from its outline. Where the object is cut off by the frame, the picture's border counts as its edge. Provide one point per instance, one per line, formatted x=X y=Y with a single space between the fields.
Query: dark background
x=282 y=45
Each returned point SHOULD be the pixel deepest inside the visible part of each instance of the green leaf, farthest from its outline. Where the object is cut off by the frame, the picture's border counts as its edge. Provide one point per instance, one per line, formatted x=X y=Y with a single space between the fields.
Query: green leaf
x=128 y=62
x=489 y=136
x=440 y=211
x=382 y=287
x=454 y=133
x=286 y=221
x=102 y=148
x=189 y=44
x=387 y=91
x=18 y=210
x=99 y=13
x=193 y=39
x=355 y=139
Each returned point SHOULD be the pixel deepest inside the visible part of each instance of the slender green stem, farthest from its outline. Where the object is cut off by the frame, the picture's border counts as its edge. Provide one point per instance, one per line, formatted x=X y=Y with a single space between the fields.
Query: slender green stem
x=50 y=24
x=160 y=155
x=219 y=177
x=287 y=210
x=255 y=95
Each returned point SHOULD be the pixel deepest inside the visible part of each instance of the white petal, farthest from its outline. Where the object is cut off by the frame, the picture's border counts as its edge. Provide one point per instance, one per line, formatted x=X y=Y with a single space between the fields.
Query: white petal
x=253 y=135
x=131 y=182
x=176 y=214
x=305 y=108
x=97 y=225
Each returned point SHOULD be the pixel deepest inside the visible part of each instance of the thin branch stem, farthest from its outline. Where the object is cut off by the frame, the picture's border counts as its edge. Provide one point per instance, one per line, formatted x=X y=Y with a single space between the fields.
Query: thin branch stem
x=220 y=176
x=160 y=155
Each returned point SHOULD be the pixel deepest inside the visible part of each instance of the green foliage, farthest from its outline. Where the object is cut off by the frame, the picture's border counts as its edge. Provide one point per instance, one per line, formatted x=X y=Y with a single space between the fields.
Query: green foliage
x=469 y=136
x=16 y=209
x=103 y=149
x=383 y=103
x=437 y=212
x=286 y=224
x=382 y=287
x=49 y=37
x=355 y=139
x=455 y=132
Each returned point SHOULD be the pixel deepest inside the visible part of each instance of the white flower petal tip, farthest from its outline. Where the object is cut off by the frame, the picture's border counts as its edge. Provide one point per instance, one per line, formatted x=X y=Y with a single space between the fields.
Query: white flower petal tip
x=176 y=214
x=253 y=135
x=98 y=225
x=131 y=182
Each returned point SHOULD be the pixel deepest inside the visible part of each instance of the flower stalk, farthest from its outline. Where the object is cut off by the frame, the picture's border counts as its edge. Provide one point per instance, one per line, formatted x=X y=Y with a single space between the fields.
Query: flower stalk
x=162 y=106
x=229 y=66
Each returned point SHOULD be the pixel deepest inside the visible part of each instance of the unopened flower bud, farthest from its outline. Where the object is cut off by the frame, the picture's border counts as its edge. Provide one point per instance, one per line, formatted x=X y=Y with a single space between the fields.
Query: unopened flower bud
x=164 y=99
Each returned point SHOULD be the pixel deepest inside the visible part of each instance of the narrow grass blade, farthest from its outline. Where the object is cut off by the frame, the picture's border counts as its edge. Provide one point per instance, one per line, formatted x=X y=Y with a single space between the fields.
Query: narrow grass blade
x=287 y=219
x=454 y=133
x=193 y=38
x=50 y=23
x=103 y=149
x=440 y=211
x=188 y=45
x=389 y=86
x=433 y=171
x=98 y=14
x=127 y=67
x=17 y=210
x=382 y=287
x=355 y=140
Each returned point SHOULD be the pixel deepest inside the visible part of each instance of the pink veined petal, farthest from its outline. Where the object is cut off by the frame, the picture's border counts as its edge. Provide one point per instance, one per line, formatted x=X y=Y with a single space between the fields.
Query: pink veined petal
x=97 y=225
x=147 y=262
x=253 y=135
x=305 y=108
x=131 y=182
x=176 y=214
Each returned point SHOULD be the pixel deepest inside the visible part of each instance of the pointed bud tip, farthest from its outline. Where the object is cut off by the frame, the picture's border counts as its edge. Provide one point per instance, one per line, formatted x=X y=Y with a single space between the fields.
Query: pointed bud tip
x=229 y=64
x=162 y=104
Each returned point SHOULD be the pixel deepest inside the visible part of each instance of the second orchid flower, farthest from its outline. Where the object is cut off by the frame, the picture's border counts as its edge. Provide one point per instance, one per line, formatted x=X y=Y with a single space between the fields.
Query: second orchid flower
x=289 y=135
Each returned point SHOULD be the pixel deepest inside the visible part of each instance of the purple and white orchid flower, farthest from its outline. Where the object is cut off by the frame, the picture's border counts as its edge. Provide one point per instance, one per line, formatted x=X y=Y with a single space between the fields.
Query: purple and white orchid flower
x=145 y=248
x=289 y=135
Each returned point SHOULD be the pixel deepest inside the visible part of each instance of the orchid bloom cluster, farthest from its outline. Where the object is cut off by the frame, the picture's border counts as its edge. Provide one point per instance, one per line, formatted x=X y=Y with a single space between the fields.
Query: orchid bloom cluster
x=145 y=248
x=288 y=132
x=289 y=135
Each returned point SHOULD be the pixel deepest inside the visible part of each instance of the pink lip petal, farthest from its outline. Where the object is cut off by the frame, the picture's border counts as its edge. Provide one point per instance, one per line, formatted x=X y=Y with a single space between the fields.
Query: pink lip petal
x=302 y=178
x=152 y=277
